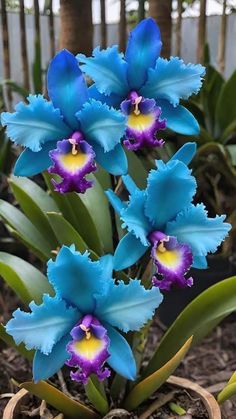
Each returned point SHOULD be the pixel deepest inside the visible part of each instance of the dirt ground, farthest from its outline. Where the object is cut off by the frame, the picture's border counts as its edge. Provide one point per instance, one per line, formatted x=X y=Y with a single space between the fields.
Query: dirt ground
x=210 y=364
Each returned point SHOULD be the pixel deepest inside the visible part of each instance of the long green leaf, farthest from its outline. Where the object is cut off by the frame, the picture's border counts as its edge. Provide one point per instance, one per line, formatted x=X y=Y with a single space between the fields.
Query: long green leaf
x=228 y=391
x=64 y=404
x=97 y=205
x=96 y=395
x=27 y=281
x=226 y=109
x=136 y=170
x=26 y=230
x=144 y=389
x=74 y=211
x=35 y=202
x=197 y=319
x=10 y=342
x=65 y=233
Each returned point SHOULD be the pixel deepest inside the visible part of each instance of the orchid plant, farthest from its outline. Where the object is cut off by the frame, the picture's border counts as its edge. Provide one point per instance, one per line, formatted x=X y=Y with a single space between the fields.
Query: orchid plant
x=81 y=316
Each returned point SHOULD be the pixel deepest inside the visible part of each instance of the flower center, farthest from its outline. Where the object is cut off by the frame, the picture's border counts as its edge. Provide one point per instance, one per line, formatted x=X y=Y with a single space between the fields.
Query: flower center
x=171 y=259
x=73 y=159
x=88 y=350
x=143 y=122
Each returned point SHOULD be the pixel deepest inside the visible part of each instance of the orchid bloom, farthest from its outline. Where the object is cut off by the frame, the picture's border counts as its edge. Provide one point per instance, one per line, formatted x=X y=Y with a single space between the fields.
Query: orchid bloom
x=144 y=86
x=69 y=133
x=163 y=218
x=78 y=326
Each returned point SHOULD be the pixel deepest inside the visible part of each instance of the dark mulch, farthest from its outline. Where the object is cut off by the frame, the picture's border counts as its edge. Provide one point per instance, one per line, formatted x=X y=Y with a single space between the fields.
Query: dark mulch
x=210 y=364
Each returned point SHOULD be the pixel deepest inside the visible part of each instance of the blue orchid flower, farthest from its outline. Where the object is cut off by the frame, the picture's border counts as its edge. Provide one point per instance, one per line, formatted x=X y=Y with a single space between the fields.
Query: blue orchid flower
x=78 y=326
x=163 y=218
x=144 y=85
x=69 y=133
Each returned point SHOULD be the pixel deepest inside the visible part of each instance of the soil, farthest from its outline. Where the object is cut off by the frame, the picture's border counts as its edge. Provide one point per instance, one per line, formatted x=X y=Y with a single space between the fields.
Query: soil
x=210 y=365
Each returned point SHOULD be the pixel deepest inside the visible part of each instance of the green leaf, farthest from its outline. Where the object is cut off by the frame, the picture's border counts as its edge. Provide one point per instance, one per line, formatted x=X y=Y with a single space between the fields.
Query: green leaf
x=226 y=109
x=27 y=281
x=103 y=178
x=228 y=391
x=232 y=151
x=145 y=388
x=97 y=205
x=209 y=96
x=4 y=151
x=10 y=342
x=16 y=88
x=35 y=202
x=136 y=169
x=72 y=409
x=96 y=395
x=197 y=319
x=25 y=230
x=229 y=131
x=65 y=233
x=75 y=211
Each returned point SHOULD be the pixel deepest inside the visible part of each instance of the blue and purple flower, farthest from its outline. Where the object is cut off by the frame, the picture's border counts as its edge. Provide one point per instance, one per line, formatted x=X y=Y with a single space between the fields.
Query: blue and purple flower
x=79 y=325
x=146 y=87
x=68 y=134
x=163 y=217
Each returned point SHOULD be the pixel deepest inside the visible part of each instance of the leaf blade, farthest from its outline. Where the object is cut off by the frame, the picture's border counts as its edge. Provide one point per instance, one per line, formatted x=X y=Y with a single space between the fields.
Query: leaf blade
x=145 y=388
x=70 y=408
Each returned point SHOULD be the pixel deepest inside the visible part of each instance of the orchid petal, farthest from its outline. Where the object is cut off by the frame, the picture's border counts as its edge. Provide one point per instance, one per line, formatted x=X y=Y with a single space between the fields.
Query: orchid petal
x=76 y=278
x=121 y=356
x=30 y=163
x=203 y=234
x=129 y=250
x=170 y=188
x=144 y=46
x=129 y=306
x=115 y=201
x=185 y=153
x=44 y=366
x=35 y=123
x=107 y=69
x=114 y=161
x=173 y=80
x=44 y=326
x=111 y=100
x=134 y=217
x=66 y=86
x=101 y=124
x=129 y=184
x=179 y=119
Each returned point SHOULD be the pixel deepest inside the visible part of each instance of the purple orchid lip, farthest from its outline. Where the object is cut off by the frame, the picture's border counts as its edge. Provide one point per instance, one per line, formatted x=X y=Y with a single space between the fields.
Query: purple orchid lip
x=172 y=259
x=88 y=350
x=143 y=122
x=73 y=159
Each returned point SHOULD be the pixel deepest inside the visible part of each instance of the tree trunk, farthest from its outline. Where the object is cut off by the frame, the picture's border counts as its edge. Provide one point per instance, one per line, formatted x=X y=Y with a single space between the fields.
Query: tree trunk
x=37 y=66
x=24 y=54
x=76 y=26
x=201 y=32
x=160 y=10
x=141 y=10
x=6 y=50
x=222 y=39
x=122 y=26
x=51 y=29
x=178 y=28
x=103 y=25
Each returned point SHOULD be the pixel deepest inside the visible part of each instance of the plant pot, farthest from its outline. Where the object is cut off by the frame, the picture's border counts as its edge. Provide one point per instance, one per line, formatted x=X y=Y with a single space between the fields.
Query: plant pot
x=177 y=299
x=13 y=407
x=198 y=392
